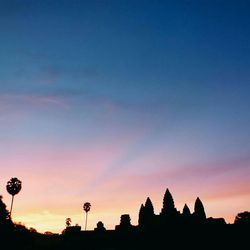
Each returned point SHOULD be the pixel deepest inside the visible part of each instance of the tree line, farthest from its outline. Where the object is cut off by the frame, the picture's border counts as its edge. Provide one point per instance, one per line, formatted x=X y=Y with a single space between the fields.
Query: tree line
x=151 y=228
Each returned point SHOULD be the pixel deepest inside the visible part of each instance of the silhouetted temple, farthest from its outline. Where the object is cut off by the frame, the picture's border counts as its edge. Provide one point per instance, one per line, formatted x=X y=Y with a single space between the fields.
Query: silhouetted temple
x=178 y=228
x=166 y=230
x=169 y=215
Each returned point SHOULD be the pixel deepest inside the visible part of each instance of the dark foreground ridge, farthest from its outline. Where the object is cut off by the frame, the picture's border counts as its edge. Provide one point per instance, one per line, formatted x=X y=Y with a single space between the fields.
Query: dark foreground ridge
x=171 y=229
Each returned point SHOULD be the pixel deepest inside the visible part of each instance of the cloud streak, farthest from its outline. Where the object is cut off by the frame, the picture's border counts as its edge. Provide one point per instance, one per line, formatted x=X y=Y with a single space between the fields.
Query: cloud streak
x=19 y=105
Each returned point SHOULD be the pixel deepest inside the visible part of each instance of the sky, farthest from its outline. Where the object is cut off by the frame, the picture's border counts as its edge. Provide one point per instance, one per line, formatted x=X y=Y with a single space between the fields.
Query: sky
x=111 y=102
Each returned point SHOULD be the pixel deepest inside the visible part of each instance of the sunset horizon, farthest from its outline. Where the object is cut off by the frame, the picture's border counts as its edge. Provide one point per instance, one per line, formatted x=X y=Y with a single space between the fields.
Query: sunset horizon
x=111 y=102
x=54 y=220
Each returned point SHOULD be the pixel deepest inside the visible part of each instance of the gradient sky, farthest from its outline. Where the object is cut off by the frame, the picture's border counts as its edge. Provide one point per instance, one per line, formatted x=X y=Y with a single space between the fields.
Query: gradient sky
x=114 y=101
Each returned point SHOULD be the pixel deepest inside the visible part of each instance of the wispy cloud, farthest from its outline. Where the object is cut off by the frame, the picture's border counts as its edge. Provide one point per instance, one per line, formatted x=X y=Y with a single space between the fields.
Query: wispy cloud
x=11 y=103
x=215 y=180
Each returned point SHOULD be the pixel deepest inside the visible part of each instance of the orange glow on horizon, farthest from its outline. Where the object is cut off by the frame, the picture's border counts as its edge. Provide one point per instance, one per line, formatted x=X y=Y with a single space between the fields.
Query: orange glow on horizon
x=56 y=183
x=109 y=213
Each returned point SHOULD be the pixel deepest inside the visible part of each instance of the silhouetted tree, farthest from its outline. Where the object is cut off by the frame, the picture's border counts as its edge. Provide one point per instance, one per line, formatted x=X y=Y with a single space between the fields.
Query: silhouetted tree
x=20 y=227
x=72 y=230
x=32 y=230
x=6 y=225
x=4 y=213
x=48 y=233
x=242 y=218
x=68 y=222
x=199 y=211
x=13 y=187
x=168 y=205
x=86 y=208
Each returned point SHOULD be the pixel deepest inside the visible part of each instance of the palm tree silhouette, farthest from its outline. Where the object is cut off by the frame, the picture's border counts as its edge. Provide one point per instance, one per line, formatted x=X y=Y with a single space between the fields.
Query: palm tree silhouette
x=86 y=208
x=13 y=187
